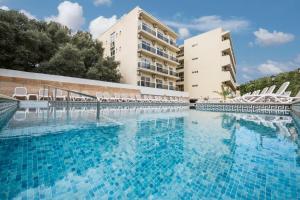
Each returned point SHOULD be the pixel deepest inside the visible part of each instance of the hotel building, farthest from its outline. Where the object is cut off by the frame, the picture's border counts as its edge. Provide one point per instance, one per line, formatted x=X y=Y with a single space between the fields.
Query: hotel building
x=146 y=49
x=207 y=64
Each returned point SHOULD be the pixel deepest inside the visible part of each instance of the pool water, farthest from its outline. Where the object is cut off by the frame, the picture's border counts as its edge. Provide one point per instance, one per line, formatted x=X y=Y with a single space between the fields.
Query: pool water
x=148 y=153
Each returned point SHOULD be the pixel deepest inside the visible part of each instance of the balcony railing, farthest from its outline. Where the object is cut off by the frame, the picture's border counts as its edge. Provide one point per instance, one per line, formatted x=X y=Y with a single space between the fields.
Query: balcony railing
x=162 y=70
x=153 y=85
x=156 y=51
x=179 y=67
x=148 y=29
x=161 y=53
x=146 y=66
x=174 y=58
x=157 y=68
x=146 y=84
x=147 y=47
x=172 y=73
x=161 y=86
x=161 y=36
x=179 y=80
x=171 y=87
x=157 y=34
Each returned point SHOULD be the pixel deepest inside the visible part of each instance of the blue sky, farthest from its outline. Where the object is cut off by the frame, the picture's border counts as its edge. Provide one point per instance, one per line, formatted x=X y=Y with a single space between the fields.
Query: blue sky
x=266 y=33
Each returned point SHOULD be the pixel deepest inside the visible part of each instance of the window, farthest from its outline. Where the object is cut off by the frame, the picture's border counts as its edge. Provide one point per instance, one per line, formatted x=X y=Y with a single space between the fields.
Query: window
x=194 y=85
x=159 y=83
x=146 y=43
x=112 y=37
x=194 y=45
x=195 y=58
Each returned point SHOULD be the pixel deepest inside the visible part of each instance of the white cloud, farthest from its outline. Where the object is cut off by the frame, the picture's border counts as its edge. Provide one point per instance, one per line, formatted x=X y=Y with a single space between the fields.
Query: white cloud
x=266 y=38
x=267 y=68
x=101 y=24
x=27 y=14
x=69 y=14
x=270 y=67
x=297 y=59
x=183 y=33
x=206 y=23
x=102 y=2
x=4 y=8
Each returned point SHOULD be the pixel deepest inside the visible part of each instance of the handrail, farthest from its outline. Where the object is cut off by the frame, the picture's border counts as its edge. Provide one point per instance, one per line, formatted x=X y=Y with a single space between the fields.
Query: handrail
x=68 y=91
x=8 y=97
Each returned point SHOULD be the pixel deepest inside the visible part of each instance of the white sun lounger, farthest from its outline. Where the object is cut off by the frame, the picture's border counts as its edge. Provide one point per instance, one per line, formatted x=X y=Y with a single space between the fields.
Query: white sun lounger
x=58 y=95
x=274 y=97
x=20 y=92
x=44 y=94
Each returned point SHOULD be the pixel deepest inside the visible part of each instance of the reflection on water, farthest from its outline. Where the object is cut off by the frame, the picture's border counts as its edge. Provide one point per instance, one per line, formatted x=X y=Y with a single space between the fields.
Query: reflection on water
x=148 y=152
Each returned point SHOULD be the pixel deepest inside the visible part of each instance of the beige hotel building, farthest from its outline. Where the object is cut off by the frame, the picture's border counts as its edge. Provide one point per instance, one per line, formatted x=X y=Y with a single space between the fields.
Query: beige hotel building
x=146 y=49
x=207 y=64
x=149 y=57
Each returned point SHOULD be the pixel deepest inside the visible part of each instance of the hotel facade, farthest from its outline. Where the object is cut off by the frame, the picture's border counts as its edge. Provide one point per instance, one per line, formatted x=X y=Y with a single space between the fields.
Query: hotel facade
x=149 y=56
x=145 y=48
x=207 y=65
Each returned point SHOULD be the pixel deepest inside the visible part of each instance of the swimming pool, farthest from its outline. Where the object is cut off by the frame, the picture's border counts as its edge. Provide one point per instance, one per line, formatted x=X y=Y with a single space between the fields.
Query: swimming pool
x=148 y=152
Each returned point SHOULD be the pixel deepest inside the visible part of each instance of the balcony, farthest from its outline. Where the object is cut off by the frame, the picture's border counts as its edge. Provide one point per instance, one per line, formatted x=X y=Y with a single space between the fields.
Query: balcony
x=228 y=80
x=172 y=73
x=163 y=54
x=226 y=61
x=180 y=80
x=161 y=86
x=162 y=70
x=157 y=69
x=227 y=47
x=154 y=51
x=146 y=66
x=171 y=87
x=162 y=37
x=157 y=35
x=146 y=84
x=174 y=58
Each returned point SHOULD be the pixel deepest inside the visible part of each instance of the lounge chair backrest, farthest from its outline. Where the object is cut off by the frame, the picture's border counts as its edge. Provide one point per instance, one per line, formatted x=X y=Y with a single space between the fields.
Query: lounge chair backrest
x=264 y=90
x=271 y=89
x=98 y=94
x=287 y=93
x=282 y=88
x=20 y=91
x=43 y=92
x=256 y=92
x=58 y=92
x=75 y=95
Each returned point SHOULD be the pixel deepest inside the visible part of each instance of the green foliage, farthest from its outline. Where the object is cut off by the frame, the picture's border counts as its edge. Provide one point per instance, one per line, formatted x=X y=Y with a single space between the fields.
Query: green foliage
x=104 y=70
x=37 y=46
x=224 y=93
x=293 y=77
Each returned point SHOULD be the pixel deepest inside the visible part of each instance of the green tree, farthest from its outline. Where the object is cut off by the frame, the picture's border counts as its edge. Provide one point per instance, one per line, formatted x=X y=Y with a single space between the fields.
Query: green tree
x=106 y=70
x=293 y=77
x=224 y=93
x=66 y=61
x=38 y=46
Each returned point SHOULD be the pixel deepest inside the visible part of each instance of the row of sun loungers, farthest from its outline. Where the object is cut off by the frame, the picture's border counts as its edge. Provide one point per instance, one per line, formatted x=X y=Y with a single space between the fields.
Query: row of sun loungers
x=268 y=95
x=57 y=94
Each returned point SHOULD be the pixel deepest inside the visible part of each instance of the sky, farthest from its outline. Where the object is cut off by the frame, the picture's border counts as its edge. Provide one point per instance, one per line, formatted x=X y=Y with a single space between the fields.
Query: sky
x=265 y=33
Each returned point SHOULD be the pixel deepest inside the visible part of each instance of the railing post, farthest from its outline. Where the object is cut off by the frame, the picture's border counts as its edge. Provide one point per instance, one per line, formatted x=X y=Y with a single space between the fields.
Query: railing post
x=43 y=92
x=55 y=93
x=48 y=93
x=98 y=110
